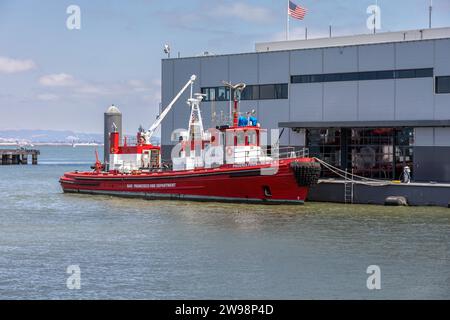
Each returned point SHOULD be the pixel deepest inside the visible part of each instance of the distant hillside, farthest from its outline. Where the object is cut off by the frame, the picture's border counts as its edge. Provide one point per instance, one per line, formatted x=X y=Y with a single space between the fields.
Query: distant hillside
x=49 y=136
x=53 y=136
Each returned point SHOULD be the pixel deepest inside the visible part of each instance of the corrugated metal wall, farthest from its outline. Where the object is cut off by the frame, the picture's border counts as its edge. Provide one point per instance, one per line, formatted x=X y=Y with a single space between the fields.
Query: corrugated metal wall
x=399 y=99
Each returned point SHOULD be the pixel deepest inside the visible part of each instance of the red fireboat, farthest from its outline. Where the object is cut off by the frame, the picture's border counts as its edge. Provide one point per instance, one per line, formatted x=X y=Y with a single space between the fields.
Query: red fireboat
x=229 y=163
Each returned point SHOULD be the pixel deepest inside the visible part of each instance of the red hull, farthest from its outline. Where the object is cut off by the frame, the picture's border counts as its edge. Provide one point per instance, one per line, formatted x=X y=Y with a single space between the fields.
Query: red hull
x=232 y=184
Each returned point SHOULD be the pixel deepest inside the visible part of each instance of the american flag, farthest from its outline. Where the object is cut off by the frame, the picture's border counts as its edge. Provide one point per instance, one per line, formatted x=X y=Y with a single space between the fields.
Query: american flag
x=296 y=11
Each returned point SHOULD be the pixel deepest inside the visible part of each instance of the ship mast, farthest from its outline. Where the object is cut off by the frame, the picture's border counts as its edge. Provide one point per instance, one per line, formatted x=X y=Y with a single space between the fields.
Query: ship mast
x=237 y=89
x=195 y=131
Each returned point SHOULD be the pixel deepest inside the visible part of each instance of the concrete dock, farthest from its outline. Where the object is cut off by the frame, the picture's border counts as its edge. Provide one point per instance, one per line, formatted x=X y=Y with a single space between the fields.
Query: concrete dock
x=416 y=193
x=18 y=156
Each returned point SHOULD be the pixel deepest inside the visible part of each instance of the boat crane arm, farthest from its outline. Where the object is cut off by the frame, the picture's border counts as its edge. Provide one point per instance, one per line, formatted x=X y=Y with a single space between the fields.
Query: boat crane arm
x=163 y=114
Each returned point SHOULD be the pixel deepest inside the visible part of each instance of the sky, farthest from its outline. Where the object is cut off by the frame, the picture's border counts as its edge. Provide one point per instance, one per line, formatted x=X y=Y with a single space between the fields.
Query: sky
x=52 y=77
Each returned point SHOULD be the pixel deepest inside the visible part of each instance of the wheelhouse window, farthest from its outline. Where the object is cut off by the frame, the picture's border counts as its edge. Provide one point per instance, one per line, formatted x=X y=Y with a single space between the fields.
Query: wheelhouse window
x=229 y=138
x=251 y=137
x=240 y=138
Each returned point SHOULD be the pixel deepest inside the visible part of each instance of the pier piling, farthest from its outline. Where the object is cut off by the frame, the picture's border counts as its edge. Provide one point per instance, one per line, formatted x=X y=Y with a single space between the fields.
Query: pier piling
x=24 y=159
x=18 y=156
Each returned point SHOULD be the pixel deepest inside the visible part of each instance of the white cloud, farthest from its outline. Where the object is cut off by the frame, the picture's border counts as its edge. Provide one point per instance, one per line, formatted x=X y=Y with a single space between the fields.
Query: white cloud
x=138 y=85
x=57 y=80
x=153 y=98
x=70 y=87
x=92 y=89
x=215 y=17
x=245 y=12
x=298 y=33
x=47 y=97
x=8 y=65
x=295 y=33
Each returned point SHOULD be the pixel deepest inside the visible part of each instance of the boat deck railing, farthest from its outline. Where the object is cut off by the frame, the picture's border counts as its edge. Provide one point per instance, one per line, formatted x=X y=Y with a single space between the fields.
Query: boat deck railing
x=245 y=157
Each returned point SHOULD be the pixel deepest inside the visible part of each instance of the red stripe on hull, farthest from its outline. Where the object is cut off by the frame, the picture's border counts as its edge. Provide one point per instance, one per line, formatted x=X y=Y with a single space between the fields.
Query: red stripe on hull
x=224 y=184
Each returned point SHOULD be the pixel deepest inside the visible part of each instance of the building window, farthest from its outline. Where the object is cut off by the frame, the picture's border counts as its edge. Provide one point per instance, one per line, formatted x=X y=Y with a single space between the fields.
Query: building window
x=379 y=153
x=223 y=94
x=251 y=92
x=405 y=74
x=332 y=77
x=325 y=143
x=443 y=84
x=210 y=94
x=350 y=76
x=281 y=91
x=273 y=91
x=364 y=75
x=424 y=73
x=370 y=75
x=267 y=91
x=383 y=75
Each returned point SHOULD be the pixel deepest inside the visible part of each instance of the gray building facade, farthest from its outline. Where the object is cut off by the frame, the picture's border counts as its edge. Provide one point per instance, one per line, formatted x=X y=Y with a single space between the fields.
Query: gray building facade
x=371 y=103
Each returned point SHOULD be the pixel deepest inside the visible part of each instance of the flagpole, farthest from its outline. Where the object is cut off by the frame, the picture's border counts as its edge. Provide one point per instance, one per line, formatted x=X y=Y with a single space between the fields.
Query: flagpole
x=374 y=21
x=287 y=21
x=430 y=14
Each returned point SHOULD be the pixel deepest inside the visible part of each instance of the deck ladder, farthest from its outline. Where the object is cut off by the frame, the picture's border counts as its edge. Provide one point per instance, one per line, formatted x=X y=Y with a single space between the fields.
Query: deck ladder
x=348 y=188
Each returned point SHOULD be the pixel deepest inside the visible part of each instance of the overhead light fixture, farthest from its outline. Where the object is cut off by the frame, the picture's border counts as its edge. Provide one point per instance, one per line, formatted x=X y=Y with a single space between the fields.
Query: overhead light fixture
x=167 y=50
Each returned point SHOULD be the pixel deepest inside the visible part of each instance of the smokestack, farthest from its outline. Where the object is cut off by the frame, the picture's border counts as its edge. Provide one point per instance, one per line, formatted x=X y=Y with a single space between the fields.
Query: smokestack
x=112 y=123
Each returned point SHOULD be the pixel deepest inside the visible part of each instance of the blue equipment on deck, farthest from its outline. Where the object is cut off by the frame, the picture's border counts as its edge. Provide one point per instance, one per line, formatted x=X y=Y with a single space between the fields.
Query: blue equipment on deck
x=242 y=121
x=253 y=121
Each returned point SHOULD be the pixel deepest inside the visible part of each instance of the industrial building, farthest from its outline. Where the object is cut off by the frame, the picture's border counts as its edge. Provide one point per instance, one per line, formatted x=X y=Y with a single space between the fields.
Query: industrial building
x=372 y=104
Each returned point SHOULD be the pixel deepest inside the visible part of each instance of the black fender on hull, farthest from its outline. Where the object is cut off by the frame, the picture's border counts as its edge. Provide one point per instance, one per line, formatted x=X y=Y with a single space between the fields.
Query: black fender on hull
x=306 y=173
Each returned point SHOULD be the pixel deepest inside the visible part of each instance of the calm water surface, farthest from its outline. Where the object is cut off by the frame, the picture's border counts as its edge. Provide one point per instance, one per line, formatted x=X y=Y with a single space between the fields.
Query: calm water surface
x=128 y=248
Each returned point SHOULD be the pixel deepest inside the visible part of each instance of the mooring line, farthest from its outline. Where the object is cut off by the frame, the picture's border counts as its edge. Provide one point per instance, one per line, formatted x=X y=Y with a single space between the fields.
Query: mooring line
x=345 y=175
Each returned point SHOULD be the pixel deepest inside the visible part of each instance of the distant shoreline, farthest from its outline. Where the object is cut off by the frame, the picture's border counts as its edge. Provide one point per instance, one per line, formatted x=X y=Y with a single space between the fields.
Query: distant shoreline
x=54 y=144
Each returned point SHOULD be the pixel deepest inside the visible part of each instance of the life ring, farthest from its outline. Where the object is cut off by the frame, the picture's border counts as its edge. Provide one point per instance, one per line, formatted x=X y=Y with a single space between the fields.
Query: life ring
x=229 y=151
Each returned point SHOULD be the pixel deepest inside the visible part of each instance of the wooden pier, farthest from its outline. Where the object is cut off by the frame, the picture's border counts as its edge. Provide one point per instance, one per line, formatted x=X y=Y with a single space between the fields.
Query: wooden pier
x=18 y=156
